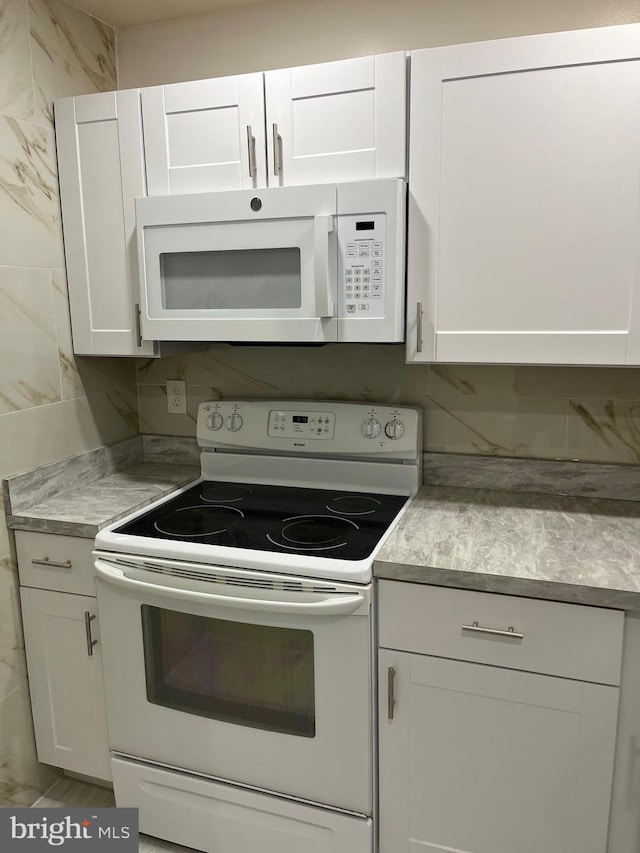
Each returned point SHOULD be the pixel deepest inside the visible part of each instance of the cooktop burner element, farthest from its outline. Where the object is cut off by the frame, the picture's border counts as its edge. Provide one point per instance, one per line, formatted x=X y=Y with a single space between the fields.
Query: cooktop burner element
x=354 y=505
x=192 y=521
x=224 y=493
x=314 y=532
x=272 y=518
x=307 y=488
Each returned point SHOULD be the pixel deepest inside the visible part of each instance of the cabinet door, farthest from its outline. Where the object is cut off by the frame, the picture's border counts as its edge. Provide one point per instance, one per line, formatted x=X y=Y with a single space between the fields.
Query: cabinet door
x=523 y=216
x=101 y=168
x=205 y=136
x=65 y=681
x=486 y=760
x=337 y=121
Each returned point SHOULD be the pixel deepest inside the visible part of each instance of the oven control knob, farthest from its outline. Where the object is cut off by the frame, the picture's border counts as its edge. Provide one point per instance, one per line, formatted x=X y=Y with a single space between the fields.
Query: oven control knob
x=234 y=422
x=371 y=428
x=215 y=420
x=394 y=429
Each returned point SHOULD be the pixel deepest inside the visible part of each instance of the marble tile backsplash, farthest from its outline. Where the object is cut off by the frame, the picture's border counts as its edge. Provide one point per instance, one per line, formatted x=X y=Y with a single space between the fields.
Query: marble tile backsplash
x=589 y=414
x=73 y=54
x=52 y=405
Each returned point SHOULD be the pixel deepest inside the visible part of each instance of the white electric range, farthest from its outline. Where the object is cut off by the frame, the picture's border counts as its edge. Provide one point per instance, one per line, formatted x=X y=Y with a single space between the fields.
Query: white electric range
x=237 y=629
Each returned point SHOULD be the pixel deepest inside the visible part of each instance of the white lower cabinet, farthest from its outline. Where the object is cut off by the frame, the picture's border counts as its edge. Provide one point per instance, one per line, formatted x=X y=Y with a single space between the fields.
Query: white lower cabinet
x=65 y=681
x=480 y=758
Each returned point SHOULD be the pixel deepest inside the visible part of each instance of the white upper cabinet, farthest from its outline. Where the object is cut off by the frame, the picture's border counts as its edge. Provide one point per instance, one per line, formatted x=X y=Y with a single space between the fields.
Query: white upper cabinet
x=337 y=121
x=205 y=136
x=101 y=172
x=524 y=200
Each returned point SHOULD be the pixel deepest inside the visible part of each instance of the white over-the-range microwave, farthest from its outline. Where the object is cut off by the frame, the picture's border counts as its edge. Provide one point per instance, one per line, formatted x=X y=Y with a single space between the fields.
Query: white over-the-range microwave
x=311 y=264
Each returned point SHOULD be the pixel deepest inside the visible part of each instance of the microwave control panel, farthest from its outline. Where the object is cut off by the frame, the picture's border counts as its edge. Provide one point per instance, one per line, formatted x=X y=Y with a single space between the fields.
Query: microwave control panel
x=361 y=241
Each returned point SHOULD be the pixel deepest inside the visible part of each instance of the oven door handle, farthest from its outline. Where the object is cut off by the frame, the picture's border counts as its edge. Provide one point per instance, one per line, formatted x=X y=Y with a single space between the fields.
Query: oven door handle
x=333 y=605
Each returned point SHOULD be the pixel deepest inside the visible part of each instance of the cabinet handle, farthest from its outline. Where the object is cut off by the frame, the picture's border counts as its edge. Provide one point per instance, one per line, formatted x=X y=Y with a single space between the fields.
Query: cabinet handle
x=277 y=151
x=419 y=326
x=88 y=619
x=391 y=692
x=45 y=561
x=499 y=632
x=251 y=144
x=138 y=326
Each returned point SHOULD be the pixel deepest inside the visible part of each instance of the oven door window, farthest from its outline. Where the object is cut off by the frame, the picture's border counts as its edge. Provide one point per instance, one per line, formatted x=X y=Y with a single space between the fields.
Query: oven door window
x=253 y=675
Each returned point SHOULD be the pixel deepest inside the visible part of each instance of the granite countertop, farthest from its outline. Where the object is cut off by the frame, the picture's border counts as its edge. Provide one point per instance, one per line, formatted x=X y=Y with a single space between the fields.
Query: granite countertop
x=574 y=549
x=86 y=509
x=505 y=530
x=80 y=495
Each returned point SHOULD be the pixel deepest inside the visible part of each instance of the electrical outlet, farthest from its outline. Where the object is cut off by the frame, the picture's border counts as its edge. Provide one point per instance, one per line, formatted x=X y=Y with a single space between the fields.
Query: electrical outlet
x=176 y=396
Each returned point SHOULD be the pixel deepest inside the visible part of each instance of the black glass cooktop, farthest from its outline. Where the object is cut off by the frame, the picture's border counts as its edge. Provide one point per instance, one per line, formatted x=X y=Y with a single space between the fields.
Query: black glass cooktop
x=316 y=522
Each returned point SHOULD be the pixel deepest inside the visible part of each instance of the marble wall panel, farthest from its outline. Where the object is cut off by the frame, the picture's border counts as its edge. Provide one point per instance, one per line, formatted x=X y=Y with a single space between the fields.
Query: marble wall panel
x=13 y=667
x=31 y=234
x=337 y=371
x=496 y=426
x=616 y=383
x=22 y=778
x=83 y=375
x=604 y=430
x=29 y=372
x=34 y=437
x=73 y=54
x=51 y=405
x=16 y=84
x=590 y=414
x=360 y=372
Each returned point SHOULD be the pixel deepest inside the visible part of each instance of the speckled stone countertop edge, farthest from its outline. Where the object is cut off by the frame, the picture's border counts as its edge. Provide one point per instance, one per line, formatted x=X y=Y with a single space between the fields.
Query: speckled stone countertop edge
x=568 y=593
x=63 y=527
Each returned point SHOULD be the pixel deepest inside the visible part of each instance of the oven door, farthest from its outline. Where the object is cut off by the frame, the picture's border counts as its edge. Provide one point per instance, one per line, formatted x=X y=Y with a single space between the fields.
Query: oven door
x=255 y=678
x=251 y=265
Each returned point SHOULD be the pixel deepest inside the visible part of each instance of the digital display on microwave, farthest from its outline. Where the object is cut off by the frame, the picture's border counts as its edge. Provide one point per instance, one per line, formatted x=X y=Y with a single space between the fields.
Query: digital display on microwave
x=365 y=226
x=300 y=419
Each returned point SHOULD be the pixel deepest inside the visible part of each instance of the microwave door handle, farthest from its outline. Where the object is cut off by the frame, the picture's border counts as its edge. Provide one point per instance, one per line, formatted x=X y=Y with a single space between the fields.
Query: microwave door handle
x=332 y=605
x=322 y=227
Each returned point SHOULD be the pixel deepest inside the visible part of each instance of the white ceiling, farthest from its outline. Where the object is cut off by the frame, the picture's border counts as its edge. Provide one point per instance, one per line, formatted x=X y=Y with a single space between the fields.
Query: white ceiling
x=127 y=13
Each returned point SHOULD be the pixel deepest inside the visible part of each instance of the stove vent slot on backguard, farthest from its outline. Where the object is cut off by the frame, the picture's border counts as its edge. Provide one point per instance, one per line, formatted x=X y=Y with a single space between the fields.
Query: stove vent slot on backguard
x=283 y=584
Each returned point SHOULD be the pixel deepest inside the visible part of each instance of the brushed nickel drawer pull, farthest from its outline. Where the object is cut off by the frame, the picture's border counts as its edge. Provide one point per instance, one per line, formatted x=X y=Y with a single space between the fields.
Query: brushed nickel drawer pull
x=277 y=151
x=498 y=632
x=418 y=326
x=391 y=692
x=138 y=324
x=52 y=564
x=251 y=143
x=88 y=619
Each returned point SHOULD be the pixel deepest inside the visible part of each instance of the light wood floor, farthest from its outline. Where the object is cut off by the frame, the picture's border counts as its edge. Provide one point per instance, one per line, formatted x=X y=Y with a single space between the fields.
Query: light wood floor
x=71 y=793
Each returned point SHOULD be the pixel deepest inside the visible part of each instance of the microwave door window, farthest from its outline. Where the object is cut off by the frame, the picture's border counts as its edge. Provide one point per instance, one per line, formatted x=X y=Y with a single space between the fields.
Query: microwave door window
x=242 y=280
x=251 y=675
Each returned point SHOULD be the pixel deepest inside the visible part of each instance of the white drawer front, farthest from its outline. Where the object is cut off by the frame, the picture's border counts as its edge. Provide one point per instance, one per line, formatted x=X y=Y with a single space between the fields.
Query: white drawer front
x=569 y=640
x=61 y=563
x=208 y=815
